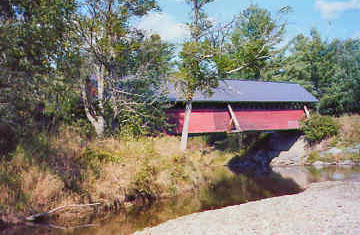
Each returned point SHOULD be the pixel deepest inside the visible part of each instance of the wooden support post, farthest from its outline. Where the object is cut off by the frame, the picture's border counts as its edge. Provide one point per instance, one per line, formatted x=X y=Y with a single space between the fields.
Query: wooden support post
x=307 y=112
x=233 y=117
x=185 y=130
x=237 y=126
x=229 y=126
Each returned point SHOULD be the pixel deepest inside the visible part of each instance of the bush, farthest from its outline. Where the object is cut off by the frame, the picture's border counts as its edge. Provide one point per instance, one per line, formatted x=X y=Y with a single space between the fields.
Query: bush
x=144 y=183
x=319 y=127
x=313 y=157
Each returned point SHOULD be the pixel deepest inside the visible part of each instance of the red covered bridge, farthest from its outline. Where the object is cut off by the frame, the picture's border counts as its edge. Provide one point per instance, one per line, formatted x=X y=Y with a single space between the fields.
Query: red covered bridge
x=240 y=106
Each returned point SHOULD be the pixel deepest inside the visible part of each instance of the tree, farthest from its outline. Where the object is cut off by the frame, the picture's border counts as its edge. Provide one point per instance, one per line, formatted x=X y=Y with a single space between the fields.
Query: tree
x=342 y=95
x=330 y=70
x=117 y=58
x=252 y=42
x=312 y=62
x=36 y=50
x=196 y=69
x=138 y=101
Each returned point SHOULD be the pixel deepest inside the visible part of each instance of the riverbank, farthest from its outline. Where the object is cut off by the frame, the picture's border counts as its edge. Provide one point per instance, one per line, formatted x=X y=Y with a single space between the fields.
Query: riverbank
x=323 y=208
x=46 y=172
x=342 y=149
x=63 y=169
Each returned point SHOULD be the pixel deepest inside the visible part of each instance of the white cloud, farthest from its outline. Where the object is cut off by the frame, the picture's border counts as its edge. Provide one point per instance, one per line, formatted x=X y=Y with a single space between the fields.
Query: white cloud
x=164 y=25
x=332 y=10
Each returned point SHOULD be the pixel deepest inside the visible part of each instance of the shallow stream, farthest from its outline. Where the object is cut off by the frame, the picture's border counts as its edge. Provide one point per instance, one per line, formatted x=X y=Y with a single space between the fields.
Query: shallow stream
x=226 y=187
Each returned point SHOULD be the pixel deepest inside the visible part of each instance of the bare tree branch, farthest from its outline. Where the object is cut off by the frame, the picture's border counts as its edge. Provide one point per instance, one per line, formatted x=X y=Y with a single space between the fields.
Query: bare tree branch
x=48 y=213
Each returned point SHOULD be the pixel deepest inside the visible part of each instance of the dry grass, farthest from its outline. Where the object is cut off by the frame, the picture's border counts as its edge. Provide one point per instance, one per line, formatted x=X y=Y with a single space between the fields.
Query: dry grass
x=11 y=195
x=40 y=185
x=349 y=134
x=67 y=168
x=350 y=129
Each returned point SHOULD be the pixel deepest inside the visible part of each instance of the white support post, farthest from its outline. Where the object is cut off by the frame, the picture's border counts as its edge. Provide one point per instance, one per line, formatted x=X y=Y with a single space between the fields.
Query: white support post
x=185 y=130
x=237 y=126
x=234 y=119
x=307 y=112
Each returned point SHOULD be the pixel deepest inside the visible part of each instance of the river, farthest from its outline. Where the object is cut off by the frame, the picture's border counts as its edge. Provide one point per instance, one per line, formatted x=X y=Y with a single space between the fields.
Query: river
x=226 y=187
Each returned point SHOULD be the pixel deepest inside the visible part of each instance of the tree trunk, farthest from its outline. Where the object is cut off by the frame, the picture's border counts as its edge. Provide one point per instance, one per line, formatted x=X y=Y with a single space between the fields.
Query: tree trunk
x=185 y=130
x=98 y=122
x=96 y=119
x=99 y=126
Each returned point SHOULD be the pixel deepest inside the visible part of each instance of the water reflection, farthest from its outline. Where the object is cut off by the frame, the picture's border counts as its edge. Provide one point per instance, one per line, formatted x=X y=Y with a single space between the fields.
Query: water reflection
x=240 y=187
x=304 y=176
x=224 y=186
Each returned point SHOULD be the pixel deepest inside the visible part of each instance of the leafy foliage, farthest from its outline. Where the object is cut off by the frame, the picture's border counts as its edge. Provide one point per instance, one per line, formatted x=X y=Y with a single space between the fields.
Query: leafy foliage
x=123 y=65
x=251 y=43
x=37 y=55
x=138 y=104
x=194 y=72
x=312 y=61
x=319 y=127
x=343 y=93
x=329 y=70
x=196 y=65
x=48 y=48
x=54 y=52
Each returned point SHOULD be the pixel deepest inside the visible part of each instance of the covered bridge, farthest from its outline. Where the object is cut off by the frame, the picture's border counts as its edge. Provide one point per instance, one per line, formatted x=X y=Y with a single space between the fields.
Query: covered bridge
x=240 y=106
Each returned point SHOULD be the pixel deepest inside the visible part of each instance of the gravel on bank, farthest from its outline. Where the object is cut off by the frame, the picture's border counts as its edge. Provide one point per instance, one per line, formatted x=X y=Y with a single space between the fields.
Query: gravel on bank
x=323 y=208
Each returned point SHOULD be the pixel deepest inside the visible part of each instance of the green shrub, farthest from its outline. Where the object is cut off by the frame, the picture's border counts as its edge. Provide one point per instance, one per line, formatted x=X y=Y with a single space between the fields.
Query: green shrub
x=319 y=127
x=144 y=183
x=355 y=157
x=94 y=159
x=313 y=157
x=101 y=155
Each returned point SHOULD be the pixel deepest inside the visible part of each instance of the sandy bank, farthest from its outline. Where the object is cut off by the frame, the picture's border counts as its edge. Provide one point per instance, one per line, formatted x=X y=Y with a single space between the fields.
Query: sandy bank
x=323 y=208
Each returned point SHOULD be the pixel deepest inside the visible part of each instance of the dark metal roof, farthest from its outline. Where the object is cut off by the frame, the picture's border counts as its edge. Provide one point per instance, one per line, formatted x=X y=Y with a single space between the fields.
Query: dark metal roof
x=249 y=91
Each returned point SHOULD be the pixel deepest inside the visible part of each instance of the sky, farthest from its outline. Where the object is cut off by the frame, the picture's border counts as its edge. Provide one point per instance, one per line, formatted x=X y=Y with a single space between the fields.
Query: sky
x=333 y=18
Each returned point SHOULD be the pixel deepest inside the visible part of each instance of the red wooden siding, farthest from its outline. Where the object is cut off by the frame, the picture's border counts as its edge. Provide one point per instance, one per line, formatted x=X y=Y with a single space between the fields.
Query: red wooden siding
x=217 y=120
x=269 y=119
x=201 y=120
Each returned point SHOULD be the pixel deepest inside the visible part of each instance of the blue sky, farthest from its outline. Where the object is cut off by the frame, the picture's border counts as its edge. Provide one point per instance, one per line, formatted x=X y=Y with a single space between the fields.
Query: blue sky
x=333 y=18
